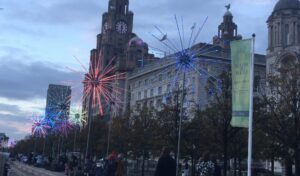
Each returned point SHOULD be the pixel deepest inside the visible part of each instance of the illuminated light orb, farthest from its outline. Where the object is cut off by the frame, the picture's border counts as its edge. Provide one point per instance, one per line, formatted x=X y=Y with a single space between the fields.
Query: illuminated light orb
x=77 y=118
x=39 y=127
x=11 y=143
x=188 y=56
x=100 y=83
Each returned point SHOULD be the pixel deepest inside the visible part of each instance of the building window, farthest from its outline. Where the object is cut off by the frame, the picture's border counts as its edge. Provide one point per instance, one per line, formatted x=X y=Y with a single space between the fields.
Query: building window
x=278 y=34
x=169 y=74
x=209 y=68
x=138 y=106
x=160 y=77
x=168 y=100
x=146 y=82
x=151 y=92
x=287 y=34
x=275 y=36
x=140 y=83
x=271 y=36
x=145 y=93
x=294 y=33
x=159 y=90
x=298 y=33
x=169 y=88
x=139 y=95
x=145 y=104
x=151 y=104
x=271 y=69
x=158 y=103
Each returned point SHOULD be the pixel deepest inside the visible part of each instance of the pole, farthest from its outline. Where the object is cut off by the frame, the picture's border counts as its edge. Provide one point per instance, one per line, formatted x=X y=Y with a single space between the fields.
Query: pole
x=44 y=145
x=75 y=136
x=180 y=122
x=108 y=135
x=90 y=114
x=251 y=110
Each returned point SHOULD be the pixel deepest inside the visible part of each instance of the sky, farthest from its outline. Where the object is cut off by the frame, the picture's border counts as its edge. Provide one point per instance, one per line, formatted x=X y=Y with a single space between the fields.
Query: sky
x=39 y=39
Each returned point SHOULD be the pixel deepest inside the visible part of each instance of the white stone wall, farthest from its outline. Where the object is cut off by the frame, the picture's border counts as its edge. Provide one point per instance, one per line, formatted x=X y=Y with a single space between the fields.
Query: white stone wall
x=150 y=85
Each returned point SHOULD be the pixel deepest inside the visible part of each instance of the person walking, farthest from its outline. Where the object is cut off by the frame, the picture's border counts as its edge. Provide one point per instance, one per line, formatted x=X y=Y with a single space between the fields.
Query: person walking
x=217 y=167
x=112 y=164
x=121 y=169
x=185 y=171
x=166 y=165
x=99 y=170
x=205 y=167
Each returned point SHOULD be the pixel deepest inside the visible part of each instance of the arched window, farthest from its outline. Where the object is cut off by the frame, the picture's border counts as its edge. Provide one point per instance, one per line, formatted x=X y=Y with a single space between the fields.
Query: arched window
x=287 y=64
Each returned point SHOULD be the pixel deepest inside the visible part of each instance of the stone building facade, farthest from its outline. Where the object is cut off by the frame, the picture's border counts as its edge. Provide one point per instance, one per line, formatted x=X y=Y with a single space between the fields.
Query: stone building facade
x=149 y=79
x=118 y=45
x=283 y=35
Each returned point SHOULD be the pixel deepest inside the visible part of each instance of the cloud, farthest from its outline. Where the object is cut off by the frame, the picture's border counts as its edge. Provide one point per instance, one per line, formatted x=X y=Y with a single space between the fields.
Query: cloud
x=29 y=80
x=8 y=109
x=52 y=12
x=15 y=130
x=250 y=16
x=14 y=121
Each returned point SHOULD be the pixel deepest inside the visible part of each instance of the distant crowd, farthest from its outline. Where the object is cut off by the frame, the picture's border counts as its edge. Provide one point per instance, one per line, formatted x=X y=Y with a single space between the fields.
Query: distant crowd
x=115 y=165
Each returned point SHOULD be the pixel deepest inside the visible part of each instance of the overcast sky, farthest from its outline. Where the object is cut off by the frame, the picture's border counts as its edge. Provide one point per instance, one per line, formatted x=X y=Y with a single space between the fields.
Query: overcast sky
x=38 y=39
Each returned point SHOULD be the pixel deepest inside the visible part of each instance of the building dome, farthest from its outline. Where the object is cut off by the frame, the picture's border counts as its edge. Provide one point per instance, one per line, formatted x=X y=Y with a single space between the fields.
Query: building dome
x=137 y=42
x=287 y=4
x=228 y=13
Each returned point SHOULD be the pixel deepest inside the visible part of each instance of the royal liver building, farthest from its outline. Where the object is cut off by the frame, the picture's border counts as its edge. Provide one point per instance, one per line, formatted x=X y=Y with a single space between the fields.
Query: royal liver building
x=149 y=79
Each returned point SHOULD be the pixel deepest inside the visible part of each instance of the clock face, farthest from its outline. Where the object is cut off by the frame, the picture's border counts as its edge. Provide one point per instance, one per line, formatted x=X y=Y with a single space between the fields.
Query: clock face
x=121 y=27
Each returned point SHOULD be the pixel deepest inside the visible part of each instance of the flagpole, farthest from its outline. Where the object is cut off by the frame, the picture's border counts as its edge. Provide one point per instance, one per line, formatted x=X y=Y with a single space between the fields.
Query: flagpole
x=251 y=109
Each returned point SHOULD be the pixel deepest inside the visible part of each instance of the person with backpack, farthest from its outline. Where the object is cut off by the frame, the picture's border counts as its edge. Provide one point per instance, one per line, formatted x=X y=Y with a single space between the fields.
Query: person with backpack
x=166 y=165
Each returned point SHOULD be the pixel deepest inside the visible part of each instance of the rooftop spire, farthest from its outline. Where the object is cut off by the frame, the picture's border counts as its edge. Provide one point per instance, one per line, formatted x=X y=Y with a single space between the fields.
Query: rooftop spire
x=227 y=7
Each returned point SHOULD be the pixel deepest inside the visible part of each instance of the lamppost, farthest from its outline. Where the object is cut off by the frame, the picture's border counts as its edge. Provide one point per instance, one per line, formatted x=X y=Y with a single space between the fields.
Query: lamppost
x=111 y=117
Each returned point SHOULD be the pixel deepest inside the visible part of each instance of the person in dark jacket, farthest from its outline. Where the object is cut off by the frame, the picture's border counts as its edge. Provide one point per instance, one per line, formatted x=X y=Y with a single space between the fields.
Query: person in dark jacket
x=166 y=165
x=112 y=164
x=99 y=171
x=217 y=167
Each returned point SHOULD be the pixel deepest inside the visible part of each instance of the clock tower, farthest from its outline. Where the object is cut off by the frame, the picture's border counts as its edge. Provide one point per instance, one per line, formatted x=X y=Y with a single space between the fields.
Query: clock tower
x=118 y=45
x=116 y=32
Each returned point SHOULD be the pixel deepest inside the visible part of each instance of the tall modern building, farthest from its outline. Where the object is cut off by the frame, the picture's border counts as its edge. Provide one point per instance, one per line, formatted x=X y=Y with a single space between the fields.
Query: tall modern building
x=58 y=100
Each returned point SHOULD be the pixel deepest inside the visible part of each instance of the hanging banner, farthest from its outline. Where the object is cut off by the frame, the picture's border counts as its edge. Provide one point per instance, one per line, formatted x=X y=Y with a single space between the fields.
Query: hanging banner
x=241 y=60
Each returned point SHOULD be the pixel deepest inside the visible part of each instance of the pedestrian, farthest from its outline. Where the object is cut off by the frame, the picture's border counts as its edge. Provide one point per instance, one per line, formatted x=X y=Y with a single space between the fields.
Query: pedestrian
x=166 y=165
x=99 y=170
x=205 y=167
x=6 y=169
x=121 y=169
x=112 y=164
x=88 y=166
x=185 y=171
x=73 y=164
x=217 y=167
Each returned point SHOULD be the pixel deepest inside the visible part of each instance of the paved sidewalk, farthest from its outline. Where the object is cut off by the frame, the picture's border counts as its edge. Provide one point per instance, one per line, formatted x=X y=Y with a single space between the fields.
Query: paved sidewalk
x=19 y=169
